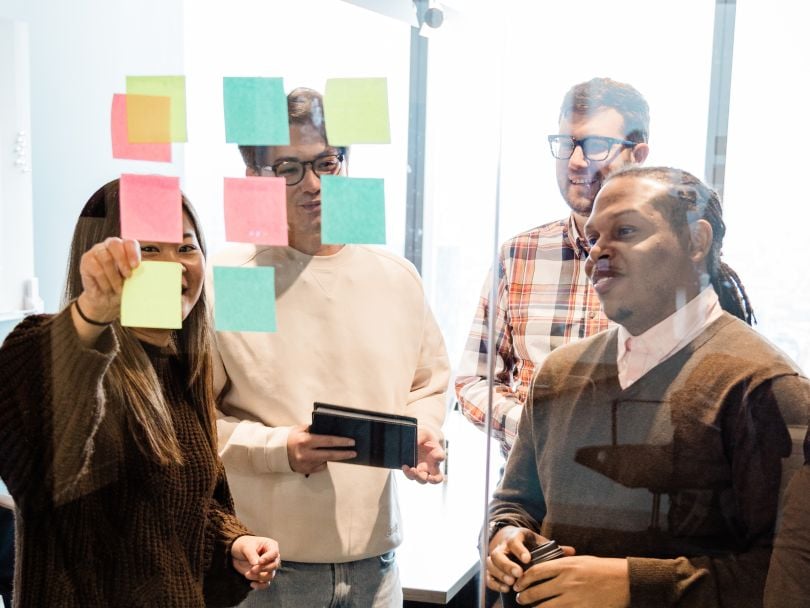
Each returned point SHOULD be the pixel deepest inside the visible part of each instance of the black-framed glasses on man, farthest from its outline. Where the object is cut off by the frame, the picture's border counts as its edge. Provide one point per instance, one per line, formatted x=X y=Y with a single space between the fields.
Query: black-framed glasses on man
x=293 y=170
x=594 y=147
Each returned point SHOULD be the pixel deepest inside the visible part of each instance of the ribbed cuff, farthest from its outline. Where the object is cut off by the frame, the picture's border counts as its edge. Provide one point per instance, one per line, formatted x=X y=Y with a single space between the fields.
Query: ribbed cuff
x=263 y=448
x=66 y=340
x=652 y=582
x=275 y=451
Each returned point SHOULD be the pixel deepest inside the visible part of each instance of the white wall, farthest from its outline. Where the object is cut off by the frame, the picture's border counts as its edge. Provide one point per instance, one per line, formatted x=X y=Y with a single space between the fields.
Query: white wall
x=767 y=206
x=16 y=202
x=81 y=51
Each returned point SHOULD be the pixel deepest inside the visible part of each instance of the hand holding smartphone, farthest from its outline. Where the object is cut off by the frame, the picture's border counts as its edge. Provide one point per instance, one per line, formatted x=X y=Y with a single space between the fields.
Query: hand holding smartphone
x=539 y=554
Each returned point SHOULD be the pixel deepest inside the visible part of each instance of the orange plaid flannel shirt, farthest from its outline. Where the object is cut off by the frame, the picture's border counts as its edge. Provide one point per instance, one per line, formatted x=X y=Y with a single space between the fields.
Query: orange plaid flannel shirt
x=544 y=300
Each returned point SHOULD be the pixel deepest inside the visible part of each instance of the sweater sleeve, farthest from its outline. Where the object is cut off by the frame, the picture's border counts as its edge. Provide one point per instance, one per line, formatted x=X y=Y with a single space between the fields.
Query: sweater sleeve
x=788 y=584
x=430 y=378
x=223 y=585
x=52 y=405
x=757 y=440
x=518 y=499
x=247 y=445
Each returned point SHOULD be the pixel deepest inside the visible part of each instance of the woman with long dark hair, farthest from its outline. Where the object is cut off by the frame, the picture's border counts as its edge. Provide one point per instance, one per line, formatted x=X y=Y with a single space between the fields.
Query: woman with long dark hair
x=108 y=440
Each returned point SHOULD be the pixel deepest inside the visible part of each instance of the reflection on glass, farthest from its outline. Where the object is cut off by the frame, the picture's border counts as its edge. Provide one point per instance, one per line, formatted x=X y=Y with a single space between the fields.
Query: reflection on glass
x=475 y=71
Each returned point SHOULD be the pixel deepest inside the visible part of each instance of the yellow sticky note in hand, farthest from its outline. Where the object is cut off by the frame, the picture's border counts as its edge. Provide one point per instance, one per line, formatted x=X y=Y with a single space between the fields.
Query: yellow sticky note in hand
x=152 y=296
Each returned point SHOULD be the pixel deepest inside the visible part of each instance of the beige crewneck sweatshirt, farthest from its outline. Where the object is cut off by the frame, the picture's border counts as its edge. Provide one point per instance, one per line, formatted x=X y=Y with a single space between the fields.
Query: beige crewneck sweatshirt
x=353 y=329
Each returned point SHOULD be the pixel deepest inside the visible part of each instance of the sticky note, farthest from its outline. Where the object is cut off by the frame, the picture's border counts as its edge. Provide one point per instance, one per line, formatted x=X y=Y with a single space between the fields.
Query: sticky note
x=121 y=146
x=255 y=111
x=151 y=208
x=245 y=299
x=352 y=210
x=152 y=296
x=256 y=210
x=173 y=87
x=148 y=119
x=356 y=111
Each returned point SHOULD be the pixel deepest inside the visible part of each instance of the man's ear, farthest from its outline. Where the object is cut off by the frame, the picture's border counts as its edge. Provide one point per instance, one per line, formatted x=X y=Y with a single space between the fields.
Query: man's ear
x=640 y=153
x=251 y=172
x=700 y=242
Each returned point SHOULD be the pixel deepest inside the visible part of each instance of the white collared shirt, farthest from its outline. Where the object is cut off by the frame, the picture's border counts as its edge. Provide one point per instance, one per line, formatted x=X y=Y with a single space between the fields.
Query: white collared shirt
x=636 y=355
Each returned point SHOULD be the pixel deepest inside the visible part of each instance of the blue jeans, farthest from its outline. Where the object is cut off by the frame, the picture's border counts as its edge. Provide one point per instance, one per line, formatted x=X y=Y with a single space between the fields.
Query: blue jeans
x=366 y=583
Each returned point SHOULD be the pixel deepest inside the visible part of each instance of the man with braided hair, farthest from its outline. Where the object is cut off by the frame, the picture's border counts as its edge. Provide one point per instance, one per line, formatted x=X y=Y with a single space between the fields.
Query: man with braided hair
x=652 y=451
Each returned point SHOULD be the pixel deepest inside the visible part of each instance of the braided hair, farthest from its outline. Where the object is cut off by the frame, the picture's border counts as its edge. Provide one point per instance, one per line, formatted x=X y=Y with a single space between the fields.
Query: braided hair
x=687 y=201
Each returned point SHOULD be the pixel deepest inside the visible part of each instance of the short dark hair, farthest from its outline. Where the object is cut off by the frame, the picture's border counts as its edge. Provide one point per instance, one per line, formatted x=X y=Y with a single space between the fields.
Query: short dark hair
x=688 y=200
x=304 y=107
x=588 y=97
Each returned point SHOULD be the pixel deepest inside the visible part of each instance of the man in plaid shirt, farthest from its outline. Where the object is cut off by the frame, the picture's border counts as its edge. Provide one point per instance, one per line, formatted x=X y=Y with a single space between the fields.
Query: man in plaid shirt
x=544 y=298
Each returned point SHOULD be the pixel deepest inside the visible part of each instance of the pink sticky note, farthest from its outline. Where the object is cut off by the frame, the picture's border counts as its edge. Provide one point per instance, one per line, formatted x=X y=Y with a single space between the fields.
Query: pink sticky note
x=256 y=210
x=121 y=148
x=151 y=208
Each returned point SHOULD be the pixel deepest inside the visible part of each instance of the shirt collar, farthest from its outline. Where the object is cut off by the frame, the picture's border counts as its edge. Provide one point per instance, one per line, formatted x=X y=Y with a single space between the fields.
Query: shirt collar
x=674 y=332
x=577 y=242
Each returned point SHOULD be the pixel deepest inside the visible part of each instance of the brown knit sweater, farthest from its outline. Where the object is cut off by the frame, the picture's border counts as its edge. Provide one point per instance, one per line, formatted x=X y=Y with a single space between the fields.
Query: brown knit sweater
x=704 y=432
x=99 y=524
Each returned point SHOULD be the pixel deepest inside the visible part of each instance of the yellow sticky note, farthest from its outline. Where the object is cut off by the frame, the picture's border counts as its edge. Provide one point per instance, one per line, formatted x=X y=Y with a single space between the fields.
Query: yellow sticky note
x=173 y=87
x=152 y=296
x=356 y=111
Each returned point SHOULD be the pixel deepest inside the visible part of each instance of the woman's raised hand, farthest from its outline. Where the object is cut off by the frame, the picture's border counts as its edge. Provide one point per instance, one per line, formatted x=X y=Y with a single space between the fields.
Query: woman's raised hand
x=103 y=269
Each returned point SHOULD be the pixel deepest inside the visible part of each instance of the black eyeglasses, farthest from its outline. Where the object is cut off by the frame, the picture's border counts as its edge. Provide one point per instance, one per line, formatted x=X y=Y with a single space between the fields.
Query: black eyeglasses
x=293 y=170
x=594 y=147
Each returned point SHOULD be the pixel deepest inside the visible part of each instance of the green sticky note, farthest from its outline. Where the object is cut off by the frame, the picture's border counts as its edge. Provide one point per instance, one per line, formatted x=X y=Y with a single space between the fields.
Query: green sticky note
x=152 y=296
x=245 y=299
x=356 y=111
x=173 y=87
x=352 y=210
x=255 y=111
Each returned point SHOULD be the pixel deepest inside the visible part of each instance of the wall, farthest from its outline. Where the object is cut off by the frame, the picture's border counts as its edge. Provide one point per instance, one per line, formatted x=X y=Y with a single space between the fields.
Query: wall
x=5 y=328
x=16 y=210
x=766 y=207
x=80 y=53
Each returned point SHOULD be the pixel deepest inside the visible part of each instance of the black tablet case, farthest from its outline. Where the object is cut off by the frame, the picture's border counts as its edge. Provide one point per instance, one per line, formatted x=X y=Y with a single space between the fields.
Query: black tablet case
x=381 y=440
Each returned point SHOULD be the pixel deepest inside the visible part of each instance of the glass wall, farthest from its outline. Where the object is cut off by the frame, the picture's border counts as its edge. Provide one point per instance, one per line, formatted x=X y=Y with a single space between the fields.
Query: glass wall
x=769 y=51
x=495 y=75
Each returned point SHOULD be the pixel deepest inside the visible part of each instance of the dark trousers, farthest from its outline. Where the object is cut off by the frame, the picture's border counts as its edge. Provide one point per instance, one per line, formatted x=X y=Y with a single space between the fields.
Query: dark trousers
x=6 y=554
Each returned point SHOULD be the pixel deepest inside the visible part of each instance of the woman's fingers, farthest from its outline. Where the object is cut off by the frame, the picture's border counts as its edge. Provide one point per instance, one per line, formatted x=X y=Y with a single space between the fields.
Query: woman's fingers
x=132 y=251
x=93 y=275
x=109 y=266
x=103 y=269
x=126 y=254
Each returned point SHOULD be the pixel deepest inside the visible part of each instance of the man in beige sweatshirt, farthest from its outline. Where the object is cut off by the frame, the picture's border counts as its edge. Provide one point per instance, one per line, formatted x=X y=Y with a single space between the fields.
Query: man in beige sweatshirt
x=354 y=329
